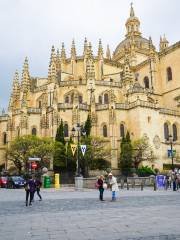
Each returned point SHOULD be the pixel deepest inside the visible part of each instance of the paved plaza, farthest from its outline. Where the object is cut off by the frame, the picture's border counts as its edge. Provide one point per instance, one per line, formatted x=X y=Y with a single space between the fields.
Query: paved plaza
x=69 y=215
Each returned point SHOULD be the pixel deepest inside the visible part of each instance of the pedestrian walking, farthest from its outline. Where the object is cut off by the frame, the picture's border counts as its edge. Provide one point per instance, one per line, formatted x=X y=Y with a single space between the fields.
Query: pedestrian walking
x=100 y=186
x=26 y=187
x=38 y=188
x=32 y=189
x=113 y=185
x=174 y=177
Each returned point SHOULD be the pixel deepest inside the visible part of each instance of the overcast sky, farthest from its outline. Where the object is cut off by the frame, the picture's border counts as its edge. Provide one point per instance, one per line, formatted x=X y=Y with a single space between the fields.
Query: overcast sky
x=30 y=27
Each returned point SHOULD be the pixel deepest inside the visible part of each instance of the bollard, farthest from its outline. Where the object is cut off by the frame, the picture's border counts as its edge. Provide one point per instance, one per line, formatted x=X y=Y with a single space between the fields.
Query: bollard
x=57 y=184
x=78 y=183
x=155 y=188
x=122 y=184
x=127 y=186
x=142 y=185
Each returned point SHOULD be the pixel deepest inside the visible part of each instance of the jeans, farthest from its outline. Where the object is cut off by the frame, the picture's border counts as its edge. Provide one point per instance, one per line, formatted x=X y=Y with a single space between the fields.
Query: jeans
x=101 y=191
x=113 y=195
x=27 y=196
x=38 y=193
x=174 y=185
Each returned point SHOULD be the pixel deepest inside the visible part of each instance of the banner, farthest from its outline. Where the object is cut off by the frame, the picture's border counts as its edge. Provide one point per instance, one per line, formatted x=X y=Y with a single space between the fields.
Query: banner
x=83 y=149
x=73 y=148
x=160 y=181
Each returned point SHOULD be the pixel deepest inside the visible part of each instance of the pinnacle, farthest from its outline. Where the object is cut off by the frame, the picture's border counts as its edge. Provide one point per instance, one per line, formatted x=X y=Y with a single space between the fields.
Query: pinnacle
x=132 y=11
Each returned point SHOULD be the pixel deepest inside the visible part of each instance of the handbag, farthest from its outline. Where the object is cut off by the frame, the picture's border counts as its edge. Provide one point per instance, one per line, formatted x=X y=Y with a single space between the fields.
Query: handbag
x=97 y=185
x=104 y=185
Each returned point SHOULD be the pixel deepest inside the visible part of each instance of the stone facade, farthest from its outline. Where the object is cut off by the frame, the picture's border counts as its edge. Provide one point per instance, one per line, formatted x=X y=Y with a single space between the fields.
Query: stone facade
x=135 y=89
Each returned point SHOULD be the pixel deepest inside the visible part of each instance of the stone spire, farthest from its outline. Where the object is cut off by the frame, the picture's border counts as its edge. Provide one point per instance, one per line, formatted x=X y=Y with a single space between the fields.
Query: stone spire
x=163 y=43
x=25 y=83
x=52 y=66
x=108 y=53
x=58 y=61
x=16 y=87
x=89 y=51
x=132 y=11
x=90 y=70
x=53 y=55
x=132 y=24
x=85 y=46
x=63 y=53
x=100 y=50
x=73 y=50
x=127 y=74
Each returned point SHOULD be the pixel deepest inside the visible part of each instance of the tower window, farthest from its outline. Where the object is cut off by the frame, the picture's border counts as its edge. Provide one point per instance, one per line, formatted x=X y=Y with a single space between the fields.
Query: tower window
x=66 y=99
x=169 y=73
x=34 y=131
x=80 y=99
x=146 y=82
x=166 y=131
x=104 y=131
x=122 y=130
x=40 y=104
x=106 y=98
x=4 y=138
x=66 y=132
x=175 y=136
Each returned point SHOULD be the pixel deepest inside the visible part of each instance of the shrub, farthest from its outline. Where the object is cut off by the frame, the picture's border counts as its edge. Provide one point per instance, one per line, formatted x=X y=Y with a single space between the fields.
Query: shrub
x=145 y=171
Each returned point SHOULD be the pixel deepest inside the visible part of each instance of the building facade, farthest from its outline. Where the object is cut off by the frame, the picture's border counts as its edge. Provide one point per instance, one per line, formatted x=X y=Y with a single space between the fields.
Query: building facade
x=136 y=89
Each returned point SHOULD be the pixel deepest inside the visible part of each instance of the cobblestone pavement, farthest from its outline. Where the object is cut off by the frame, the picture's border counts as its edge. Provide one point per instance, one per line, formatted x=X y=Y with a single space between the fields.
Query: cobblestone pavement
x=69 y=215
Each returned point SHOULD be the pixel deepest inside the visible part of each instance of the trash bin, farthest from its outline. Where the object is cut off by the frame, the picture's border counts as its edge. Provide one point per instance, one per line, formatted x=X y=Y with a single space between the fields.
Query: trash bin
x=47 y=182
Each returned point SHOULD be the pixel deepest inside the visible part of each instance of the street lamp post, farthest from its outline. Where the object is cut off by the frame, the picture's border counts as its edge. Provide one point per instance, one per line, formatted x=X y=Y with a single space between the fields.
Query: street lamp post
x=80 y=130
x=172 y=157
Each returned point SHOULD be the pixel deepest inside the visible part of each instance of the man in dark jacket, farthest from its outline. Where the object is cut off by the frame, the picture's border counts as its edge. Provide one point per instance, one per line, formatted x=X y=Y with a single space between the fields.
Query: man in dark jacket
x=32 y=188
x=38 y=188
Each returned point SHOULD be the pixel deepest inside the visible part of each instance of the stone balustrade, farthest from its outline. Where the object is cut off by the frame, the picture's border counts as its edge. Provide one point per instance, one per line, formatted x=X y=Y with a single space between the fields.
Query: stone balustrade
x=102 y=107
x=40 y=88
x=4 y=117
x=72 y=83
x=34 y=110
x=169 y=112
x=65 y=105
x=108 y=83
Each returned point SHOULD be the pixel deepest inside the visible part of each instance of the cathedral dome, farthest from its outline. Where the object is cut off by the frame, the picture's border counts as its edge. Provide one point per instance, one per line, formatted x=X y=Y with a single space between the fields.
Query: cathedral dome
x=133 y=38
x=139 y=41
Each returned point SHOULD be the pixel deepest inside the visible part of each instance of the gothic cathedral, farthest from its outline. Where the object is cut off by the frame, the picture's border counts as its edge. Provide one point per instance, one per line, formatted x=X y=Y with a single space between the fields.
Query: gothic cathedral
x=135 y=89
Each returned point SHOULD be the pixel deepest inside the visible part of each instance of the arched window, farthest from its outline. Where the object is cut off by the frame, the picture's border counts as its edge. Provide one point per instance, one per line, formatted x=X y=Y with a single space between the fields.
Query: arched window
x=104 y=131
x=72 y=97
x=100 y=99
x=169 y=73
x=34 y=131
x=166 y=131
x=80 y=99
x=40 y=105
x=4 y=138
x=175 y=136
x=66 y=133
x=66 y=99
x=106 y=98
x=146 y=82
x=122 y=130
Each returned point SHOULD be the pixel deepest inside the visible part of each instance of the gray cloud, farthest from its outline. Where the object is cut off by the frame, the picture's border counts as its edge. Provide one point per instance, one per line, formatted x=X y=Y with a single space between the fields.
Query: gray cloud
x=31 y=27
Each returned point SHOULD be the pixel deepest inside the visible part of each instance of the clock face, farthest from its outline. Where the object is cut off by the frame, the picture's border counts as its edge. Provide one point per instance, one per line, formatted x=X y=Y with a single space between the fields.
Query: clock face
x=157 y=142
